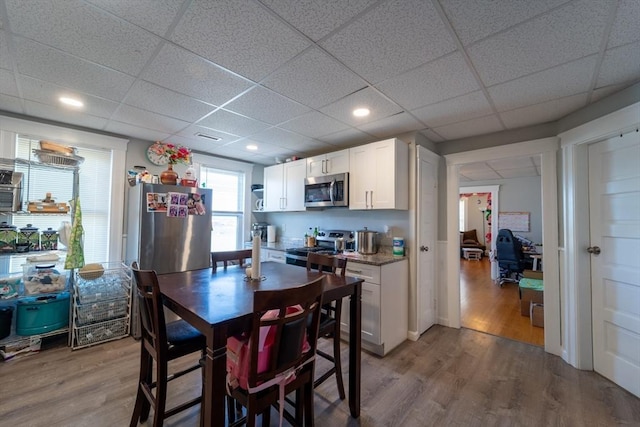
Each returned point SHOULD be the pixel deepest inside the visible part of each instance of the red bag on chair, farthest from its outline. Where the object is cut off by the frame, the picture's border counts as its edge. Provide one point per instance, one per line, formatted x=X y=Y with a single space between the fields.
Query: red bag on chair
x=238 y=353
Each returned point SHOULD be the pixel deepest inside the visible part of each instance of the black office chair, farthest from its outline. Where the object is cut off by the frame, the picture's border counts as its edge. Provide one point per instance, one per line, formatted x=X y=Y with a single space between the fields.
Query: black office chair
x=511 y=259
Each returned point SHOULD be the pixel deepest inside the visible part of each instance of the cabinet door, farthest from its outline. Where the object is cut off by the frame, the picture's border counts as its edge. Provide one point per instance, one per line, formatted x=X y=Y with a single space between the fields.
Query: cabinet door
x=360 y=179
x=275 y=256
x=337 y=162
x=383 y=157
x=294 y=175
x=315 y=165
x=371 y=330
x=273 y=179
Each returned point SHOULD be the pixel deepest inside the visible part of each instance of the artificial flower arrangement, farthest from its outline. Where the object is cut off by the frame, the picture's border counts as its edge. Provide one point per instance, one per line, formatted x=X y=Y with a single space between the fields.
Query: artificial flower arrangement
x=173 y=152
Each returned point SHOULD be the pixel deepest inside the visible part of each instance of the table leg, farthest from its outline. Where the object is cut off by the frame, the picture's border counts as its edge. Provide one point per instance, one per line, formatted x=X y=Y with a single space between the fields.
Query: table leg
x=214 y=394
x=355 y=348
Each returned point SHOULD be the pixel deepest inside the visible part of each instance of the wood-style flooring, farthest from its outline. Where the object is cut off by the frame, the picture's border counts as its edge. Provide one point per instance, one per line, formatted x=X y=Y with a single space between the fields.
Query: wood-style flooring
x=449 y=377
x=487 y=307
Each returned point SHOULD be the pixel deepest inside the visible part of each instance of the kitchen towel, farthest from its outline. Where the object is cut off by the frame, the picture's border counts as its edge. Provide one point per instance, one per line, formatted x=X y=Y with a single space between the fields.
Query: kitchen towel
x=271 y=233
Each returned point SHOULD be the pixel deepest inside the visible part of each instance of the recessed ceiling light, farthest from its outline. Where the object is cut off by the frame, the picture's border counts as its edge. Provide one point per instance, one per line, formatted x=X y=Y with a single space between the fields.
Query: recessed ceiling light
x=361 y=112
x=71 y=102
x=252 y=147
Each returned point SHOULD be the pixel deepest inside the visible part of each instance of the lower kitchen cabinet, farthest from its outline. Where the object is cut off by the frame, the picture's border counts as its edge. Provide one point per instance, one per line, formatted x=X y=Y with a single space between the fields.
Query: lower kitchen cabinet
x=273 y=255
x=385 y=303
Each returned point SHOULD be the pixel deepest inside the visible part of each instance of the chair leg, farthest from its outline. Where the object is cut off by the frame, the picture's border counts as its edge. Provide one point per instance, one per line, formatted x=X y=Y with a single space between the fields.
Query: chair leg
x=141 y=404
x=307 y=395
x=161 y=394
x=337 y=362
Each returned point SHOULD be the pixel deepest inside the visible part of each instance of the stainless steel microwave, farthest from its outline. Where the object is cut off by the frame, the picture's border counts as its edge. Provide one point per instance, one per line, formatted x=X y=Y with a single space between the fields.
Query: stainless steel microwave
x=326 y=191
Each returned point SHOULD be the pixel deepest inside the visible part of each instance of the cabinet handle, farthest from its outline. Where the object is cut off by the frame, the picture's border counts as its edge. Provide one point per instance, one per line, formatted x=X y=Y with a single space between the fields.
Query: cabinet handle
x=324 y=166
x=366 y=199
x=354 y=271
x=371 y=199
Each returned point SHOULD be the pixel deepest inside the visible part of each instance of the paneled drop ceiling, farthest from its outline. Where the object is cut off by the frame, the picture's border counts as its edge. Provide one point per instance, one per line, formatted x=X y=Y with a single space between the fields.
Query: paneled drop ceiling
x=285 y=74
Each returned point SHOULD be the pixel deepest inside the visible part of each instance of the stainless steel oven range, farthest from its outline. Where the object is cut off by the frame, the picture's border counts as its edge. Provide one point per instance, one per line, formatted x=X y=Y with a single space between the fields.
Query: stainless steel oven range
x=325 y=244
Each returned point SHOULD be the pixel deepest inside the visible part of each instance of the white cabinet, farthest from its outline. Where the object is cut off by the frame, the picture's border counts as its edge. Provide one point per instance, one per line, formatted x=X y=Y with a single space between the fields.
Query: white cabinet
x=273 y=255
x=284 y=186
x=379 y=175
x=385 y=304
x=328 y=164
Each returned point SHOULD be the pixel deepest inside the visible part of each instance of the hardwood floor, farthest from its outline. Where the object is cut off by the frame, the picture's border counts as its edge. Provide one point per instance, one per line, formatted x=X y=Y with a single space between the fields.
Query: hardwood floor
x=449 y=377
x=487 y=307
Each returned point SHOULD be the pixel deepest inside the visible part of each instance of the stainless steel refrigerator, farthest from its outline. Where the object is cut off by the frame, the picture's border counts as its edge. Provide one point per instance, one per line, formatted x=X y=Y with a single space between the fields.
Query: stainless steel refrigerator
x=168 y=230
x=169 y=227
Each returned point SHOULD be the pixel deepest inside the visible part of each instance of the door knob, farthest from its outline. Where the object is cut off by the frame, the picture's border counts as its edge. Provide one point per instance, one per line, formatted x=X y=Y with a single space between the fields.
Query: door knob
x=594 y=250
x=424 y=248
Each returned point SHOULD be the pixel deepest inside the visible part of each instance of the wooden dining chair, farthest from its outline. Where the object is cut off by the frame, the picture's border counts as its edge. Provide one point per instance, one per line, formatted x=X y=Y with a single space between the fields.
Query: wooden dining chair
x=226 y=256
x=330 y=318
x=161 y=343
x=293 y=318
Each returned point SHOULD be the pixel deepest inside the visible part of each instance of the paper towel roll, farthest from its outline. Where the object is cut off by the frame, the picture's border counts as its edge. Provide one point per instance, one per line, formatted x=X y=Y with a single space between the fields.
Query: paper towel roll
x=271 y=233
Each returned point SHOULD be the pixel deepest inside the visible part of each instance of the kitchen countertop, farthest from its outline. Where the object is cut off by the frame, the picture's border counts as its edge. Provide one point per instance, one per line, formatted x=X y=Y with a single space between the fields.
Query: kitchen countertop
x=384 y=255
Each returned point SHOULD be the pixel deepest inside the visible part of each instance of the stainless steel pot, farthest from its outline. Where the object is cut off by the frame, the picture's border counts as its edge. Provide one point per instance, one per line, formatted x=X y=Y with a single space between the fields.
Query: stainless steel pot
x=339 y=244
x=366 y=242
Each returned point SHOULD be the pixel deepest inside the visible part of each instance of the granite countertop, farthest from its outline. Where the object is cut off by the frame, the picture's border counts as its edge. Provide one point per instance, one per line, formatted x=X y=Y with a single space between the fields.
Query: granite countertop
x=384 y=255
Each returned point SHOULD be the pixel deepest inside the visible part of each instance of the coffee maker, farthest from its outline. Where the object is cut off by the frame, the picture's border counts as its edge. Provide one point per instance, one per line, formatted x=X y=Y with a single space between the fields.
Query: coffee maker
x=262 y=226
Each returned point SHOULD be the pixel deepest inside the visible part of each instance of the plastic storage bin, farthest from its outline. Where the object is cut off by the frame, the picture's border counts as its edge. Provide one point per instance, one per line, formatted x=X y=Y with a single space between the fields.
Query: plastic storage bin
x=44 y=277
x=38 y=315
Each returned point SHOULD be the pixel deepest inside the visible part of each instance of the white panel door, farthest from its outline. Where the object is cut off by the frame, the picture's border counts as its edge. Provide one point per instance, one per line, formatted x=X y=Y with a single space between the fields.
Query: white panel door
x=614 y=198
x=427 y=225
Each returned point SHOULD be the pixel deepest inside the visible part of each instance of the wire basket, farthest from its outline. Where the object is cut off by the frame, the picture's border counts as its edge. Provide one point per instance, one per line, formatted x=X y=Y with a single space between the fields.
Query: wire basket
x=101 y=332
x=114 y=283
x=56 y=158
x=101 y=311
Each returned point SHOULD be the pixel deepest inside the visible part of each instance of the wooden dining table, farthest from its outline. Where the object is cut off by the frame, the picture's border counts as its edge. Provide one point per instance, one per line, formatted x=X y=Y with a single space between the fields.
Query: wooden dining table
x=220 y=305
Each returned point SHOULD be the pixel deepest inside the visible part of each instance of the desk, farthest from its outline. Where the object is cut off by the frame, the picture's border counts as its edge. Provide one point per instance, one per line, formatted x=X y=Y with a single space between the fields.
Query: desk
x=220 y=304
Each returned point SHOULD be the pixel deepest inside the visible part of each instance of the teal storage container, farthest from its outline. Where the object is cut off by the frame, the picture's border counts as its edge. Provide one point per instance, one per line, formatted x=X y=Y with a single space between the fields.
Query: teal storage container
x=38 y=315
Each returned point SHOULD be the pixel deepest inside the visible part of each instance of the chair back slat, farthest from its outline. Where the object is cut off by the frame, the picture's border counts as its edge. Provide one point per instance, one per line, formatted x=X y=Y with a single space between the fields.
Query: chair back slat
x=290 y=329
x=151 y=309
x=226 y=256
x=326 y=263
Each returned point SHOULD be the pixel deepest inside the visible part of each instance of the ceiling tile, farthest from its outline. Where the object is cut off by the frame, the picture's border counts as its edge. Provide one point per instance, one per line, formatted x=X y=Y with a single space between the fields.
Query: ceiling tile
x=314 y=124
x=266 y=105
x=479 y=126
x=458 y=109
x=109 y=41
x=574 y=31
x=475 y=20
x=4 y=51
x=543 y=112
x=232 y=123
x=184 y=72
x=11 y=103
x=47 y=64
x=47 y=93
x=195 y=143
x=605 y=91
x=620 y=65
x=468 y=168
x=441 y=79
x=564 y=80
x=392 y=125
x=153 y=15
x=137 y=117
x=156 y=99
x=133 y=131
x=431 y=136
x=406 y=33
x=8 y=83
x=379 y=106
x=519 y=173
x=625 y=27
x=511 y=163
x=210 y=29
x=64 y=116
x=317 y=19
x=314 y=79
x=280 y=137
x=347 y=138
x=481 y=176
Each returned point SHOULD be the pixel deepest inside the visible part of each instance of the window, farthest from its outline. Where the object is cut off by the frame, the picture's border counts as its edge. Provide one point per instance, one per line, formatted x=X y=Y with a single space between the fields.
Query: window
x=228 y=203
x=94 y=193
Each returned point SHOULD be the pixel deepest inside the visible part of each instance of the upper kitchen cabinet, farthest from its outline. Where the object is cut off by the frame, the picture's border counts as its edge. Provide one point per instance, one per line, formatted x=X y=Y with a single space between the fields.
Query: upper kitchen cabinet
x=328 y=164
x=379 y=175
x=284 y=186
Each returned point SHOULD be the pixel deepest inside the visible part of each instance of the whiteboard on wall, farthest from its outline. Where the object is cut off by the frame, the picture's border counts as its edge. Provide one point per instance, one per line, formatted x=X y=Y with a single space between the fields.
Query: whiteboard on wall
x=514 y=221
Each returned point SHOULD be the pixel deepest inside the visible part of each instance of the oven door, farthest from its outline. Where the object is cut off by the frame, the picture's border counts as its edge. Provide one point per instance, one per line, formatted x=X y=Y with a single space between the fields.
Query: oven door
x=326 y=191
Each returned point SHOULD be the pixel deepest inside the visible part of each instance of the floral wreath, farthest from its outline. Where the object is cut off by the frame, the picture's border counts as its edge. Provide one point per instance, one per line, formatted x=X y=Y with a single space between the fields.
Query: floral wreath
x=174 y=153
